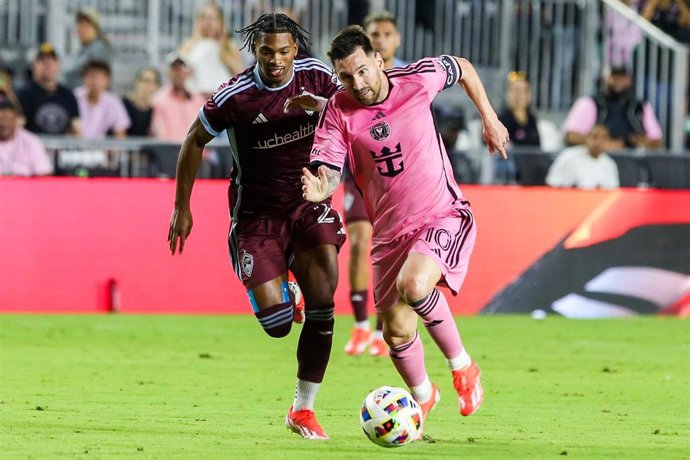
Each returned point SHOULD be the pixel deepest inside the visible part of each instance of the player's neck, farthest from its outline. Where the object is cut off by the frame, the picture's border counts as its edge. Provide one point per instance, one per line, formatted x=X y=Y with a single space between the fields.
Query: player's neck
x=385 y=89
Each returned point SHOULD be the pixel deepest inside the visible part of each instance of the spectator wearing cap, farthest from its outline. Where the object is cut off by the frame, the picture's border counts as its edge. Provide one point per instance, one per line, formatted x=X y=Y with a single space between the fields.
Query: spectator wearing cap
x=94 y=45
x=21 y=152
x=175 y=107
x=102 y=112
x=630 y=120
x=49 y=107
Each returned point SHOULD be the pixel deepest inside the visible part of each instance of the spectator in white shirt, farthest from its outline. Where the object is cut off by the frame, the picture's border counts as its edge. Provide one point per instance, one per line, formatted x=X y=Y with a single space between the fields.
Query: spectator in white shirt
x=586 y=166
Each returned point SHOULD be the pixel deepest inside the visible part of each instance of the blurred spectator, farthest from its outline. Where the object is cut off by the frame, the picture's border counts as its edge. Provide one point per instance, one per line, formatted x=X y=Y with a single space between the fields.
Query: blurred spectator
x=671 y=16
x=631 y=121
x=623 y=36
x=102 y=112
x=49 y=107
x=585 y=166
x=382 y=29
x=451 y=122
x=174 y=106
x=21 y=152
x=210 y=52
x=7 y=87
x=94 y=45
x=517 y=115
x=521 y=124
x=139 y=102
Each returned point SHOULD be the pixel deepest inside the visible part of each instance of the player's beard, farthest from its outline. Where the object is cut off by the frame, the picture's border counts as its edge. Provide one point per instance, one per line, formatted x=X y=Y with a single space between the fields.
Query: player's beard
x=370 y=96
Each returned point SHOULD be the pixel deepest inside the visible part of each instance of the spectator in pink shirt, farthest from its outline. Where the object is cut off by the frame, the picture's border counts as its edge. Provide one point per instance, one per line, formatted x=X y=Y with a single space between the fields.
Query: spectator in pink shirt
x=21 y=152
x=631 y=121
x=175 y=107
x=102 y=112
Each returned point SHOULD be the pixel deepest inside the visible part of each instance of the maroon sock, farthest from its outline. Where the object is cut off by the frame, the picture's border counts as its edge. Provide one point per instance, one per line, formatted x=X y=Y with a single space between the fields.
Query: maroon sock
x=359 y=304
x=276 y=320
x=314 y=347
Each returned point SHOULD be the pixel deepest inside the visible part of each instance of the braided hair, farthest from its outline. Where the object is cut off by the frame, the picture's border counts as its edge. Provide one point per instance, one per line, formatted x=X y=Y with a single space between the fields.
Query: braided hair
x=274 y=23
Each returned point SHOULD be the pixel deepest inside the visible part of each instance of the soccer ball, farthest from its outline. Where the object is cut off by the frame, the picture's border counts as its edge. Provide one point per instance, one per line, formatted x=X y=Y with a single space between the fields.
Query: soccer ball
x=390 y=417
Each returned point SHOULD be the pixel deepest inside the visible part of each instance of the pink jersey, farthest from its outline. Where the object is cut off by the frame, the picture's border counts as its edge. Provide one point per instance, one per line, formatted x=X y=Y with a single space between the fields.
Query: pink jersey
x=395 y=151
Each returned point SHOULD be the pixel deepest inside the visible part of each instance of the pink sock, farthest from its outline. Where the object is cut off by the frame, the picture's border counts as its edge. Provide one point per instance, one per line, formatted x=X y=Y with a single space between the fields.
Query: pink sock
x=438 y=320
x=408 y=359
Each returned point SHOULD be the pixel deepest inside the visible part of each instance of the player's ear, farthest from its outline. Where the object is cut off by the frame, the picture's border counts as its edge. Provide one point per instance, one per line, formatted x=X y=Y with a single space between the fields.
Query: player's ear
x=379 y=60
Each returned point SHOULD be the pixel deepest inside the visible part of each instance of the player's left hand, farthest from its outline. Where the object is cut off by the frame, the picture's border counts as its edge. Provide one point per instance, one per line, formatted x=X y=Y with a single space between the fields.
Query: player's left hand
x=495 y=136
x=306 y=101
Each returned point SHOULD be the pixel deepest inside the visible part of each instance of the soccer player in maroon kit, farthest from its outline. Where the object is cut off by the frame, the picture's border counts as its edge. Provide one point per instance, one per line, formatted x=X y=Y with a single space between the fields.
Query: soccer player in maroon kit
x=269 y=112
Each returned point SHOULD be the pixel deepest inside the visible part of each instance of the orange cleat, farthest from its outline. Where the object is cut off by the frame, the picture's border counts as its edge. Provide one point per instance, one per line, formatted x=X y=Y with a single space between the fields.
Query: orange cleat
x=378 y=347
x=304 y=423
x=358 y=341
x=469 y=388
x=431 y=403
x=298 y=300
x=428 y=407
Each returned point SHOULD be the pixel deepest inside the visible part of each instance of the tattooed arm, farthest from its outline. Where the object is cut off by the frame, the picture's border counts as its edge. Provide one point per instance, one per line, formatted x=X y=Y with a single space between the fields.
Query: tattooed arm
x=318 y=188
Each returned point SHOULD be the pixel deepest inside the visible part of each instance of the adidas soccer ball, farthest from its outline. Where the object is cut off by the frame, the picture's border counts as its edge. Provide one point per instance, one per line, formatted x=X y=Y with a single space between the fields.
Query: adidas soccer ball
x=390 y=417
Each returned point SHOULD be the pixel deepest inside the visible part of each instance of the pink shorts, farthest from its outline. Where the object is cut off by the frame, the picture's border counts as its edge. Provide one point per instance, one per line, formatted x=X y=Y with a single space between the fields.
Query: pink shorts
x=448 y=240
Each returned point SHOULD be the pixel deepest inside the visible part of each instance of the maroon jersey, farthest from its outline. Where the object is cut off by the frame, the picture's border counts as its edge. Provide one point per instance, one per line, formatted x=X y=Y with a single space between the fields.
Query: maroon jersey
x=269 y=147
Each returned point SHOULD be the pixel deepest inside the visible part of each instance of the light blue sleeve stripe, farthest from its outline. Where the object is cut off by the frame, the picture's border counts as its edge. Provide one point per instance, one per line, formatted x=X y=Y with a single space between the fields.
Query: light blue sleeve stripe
x=207 y=125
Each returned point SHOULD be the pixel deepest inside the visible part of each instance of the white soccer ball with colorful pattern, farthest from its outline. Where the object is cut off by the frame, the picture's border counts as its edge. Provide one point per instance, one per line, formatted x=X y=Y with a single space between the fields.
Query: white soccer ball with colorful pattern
x=390 y=417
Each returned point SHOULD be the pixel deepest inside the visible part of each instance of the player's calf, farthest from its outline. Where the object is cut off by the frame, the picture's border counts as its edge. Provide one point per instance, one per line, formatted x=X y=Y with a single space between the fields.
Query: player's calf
x=277 y=320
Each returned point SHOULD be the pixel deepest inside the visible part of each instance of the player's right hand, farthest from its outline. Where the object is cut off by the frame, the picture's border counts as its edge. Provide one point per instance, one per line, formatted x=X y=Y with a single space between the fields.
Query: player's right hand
x=180 y=227
x=314 y=188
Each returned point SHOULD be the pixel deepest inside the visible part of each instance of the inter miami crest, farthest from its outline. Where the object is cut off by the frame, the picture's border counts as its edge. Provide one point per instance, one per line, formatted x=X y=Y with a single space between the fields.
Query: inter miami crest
x=247 y=264
x=380 y=131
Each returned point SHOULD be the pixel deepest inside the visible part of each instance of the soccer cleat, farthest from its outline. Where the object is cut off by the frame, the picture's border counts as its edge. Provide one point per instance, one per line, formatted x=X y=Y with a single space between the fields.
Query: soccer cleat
x=469 y=388
x=427 y=407
x=378 y=347
x=304 y=423
x=358 y=341
x=297 y=298
x=431 y=403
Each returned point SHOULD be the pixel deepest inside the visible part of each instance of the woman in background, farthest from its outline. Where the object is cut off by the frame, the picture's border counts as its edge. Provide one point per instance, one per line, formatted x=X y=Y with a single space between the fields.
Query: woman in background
x=210 y=52
x=139 y=102
x=94 y=45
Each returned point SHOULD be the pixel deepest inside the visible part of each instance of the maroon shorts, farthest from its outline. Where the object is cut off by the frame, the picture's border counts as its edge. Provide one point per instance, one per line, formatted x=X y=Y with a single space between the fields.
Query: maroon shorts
x=262 y=249
x=353 y=203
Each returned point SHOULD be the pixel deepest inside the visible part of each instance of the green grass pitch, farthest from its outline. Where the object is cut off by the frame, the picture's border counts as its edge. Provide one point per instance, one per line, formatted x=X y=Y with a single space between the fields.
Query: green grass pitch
x=216 y=387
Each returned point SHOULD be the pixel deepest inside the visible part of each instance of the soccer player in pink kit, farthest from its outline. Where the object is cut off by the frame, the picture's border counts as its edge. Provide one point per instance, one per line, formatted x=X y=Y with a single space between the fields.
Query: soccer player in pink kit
x=423 y=228
x=268 y=112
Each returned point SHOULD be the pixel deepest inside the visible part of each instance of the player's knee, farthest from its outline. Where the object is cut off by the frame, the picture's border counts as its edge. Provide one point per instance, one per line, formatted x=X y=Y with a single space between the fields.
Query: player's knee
x=277 y=320
x=411 y=288
x=400 y=328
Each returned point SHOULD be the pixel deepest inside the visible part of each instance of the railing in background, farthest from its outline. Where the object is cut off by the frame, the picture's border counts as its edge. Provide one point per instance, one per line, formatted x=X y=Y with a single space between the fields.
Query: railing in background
x=659 y=64
x=133 y=157
x=146 y=157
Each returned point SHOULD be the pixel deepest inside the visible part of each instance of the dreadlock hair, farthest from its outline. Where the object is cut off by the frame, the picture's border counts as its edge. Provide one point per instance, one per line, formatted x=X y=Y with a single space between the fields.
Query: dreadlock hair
x=274 y=23
x=347 y=41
